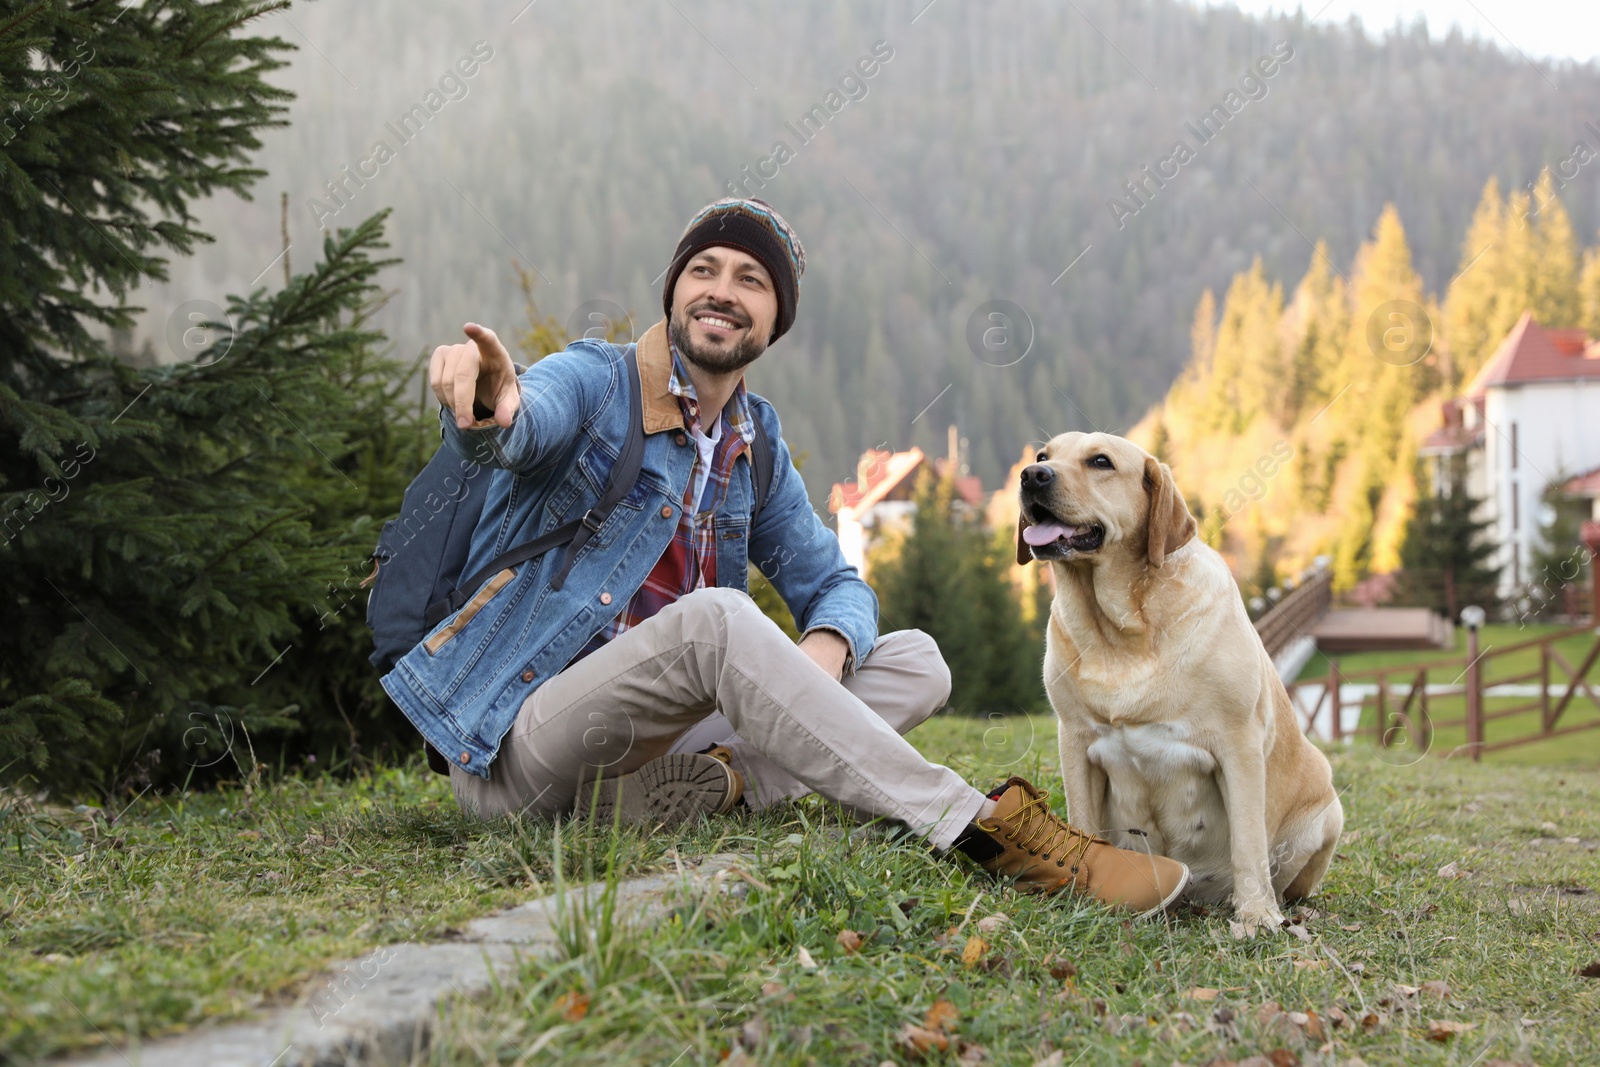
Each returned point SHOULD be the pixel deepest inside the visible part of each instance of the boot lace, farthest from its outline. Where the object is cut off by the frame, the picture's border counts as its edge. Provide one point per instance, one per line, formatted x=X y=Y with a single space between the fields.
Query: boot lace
x=1040 y=832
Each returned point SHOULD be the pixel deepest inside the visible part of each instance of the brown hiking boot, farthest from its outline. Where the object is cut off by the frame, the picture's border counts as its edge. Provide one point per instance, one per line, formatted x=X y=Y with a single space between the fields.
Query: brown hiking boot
x=669 y=789
x=1026 y=841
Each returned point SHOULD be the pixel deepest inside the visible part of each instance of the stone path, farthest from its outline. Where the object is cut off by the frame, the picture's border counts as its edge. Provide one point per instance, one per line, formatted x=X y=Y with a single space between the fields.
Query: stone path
x=378 y=1010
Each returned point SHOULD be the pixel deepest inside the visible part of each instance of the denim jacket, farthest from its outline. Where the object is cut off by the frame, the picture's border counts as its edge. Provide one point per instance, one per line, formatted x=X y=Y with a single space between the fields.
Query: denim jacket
x=463 y=685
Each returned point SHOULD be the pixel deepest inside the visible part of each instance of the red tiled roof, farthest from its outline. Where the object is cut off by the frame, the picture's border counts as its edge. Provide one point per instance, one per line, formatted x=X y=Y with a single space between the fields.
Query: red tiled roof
x=1451 y=439
x=1534 y=353
x=878 y=472
x=1586 y=484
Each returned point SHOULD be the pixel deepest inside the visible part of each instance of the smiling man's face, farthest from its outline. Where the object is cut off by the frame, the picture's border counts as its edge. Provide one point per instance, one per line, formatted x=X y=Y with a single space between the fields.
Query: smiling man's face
x=724 y=307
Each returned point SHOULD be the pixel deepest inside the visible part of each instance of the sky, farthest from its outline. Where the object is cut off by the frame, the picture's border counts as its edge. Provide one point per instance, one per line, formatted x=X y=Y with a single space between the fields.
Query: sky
x=1539 y=29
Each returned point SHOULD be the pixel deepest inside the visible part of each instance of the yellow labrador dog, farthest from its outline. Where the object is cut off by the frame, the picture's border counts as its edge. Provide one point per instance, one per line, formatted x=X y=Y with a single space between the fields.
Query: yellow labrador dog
x=1176 y=734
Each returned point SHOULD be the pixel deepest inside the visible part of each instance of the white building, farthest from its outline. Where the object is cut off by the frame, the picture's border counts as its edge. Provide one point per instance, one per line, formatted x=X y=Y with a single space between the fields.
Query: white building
x=880 y=499
x=1529 y=418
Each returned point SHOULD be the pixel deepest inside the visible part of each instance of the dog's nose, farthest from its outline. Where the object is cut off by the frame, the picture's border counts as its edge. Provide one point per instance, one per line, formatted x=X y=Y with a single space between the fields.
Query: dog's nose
x=1037 y=476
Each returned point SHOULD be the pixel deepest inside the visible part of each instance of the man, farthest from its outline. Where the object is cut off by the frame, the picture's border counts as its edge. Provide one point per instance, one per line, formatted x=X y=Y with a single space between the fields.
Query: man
x=644 y=678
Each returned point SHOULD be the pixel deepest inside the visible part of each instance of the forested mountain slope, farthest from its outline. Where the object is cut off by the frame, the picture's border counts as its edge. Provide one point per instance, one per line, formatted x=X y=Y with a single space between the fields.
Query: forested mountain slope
x=977 y=162
x=1294 y=430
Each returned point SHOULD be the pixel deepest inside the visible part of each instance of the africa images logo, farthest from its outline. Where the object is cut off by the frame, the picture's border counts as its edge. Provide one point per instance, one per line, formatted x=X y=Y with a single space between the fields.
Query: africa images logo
x=1252 y=86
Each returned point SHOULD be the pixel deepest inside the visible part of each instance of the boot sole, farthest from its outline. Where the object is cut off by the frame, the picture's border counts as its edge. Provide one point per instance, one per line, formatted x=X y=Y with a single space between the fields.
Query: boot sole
x=1172 y=897
x=664 y=792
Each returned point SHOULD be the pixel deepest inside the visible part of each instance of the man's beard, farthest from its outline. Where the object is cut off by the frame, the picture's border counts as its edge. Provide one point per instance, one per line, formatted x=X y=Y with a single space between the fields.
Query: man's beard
x=708 y=358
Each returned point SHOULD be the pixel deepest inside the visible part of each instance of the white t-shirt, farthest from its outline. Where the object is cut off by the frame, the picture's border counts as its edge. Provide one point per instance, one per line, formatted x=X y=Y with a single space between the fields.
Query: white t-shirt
x=702 y=468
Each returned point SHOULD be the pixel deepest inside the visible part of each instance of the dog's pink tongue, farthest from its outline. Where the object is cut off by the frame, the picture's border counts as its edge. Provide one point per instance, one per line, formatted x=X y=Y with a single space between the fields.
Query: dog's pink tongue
x=1045 y=532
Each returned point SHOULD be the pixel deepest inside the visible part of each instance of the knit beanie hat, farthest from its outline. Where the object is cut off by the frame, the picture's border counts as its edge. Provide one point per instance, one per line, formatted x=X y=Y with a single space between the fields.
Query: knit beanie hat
x=753 y=227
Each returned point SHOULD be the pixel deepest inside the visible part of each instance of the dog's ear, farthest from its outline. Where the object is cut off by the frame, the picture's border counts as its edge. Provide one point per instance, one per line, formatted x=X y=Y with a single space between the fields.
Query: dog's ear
x=1024 y=553
x=1170 y=525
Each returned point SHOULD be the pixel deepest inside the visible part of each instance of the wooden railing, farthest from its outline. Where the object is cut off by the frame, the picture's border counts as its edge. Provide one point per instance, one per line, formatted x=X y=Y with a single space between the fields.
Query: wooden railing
x=1411 y=703
x=1297 y=612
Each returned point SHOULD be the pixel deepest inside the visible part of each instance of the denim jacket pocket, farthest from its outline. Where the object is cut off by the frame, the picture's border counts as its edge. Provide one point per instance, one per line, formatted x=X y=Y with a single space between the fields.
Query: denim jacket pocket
x=448 y=632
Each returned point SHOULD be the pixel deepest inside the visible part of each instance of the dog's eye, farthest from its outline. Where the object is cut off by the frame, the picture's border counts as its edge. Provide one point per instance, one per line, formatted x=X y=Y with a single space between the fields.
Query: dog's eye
x=1102 y=461
x=1040 y=458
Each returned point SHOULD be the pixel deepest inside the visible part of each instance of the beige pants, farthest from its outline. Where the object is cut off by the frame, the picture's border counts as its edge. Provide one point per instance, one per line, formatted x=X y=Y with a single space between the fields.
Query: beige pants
x=708 y=669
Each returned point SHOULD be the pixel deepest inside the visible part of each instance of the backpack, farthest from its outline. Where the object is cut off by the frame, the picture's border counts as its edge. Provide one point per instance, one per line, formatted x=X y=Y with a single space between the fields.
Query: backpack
x=417 y=577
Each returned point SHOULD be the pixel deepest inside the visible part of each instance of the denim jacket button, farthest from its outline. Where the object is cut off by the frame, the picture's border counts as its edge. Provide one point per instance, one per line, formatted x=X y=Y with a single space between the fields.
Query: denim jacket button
x=680 y=439
x=666 y=511
x=527 y=676
x=466 y=757
x=605 y=598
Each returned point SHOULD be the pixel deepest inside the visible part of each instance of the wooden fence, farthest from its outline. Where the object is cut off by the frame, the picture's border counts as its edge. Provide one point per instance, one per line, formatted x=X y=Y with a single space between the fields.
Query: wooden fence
x=1472 y=696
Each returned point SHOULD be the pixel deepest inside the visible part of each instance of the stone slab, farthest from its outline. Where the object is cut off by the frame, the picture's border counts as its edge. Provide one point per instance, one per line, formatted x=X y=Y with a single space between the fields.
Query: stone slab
x=378 y=1009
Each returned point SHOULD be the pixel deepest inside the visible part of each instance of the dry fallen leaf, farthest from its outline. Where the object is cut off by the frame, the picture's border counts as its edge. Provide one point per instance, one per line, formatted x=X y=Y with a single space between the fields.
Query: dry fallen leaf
x=850 y=941
x=1299 y=931
x=1436 y=989
x=1062 y=968
x=753 y=1034
x=1444 y=1030
x=990 y=923
x=1201 y=992
x=974 y=950
x=573 y=1006
x=1452 y=870
x=1310 y=965
x=941 y=1016
x=919 y=1042
x=970 y=1052
x=774 y=989
x=805 y=959
x=1055 y=1059
x=1280 y=1057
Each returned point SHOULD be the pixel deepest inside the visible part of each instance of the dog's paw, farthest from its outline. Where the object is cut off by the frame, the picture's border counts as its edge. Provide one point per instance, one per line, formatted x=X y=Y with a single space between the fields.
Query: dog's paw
x=1251 y=921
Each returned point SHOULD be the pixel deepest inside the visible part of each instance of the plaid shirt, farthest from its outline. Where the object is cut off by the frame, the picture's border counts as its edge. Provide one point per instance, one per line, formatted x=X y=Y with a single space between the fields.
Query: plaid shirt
x=690 y=559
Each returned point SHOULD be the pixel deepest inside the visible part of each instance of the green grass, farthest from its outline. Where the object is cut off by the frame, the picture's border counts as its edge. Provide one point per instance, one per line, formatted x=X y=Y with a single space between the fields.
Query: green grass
x=1494 y=635
x=208 y=907
x=1581 y=749
x=1578 y=748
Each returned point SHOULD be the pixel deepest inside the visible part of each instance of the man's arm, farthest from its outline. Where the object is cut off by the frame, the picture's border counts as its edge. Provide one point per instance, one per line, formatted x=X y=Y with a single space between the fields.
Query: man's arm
x=836 y=611
x=492 y=416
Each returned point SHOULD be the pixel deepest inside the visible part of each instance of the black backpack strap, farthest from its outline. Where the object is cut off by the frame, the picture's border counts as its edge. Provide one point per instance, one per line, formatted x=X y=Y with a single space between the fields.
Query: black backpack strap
x=577 y=532
x=510 y=558
x=760 y=471
x=623 y=475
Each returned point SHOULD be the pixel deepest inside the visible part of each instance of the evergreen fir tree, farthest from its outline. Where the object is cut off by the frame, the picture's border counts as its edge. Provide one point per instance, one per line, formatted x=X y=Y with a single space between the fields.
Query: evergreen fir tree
x=1474 y=318
x=1319 y=329
x=1589 y=292
x=1385 y=372
x=1560 y=563
x=1445 y=560
x=172 y=533
x=1555 y=278
x=947 y=577
x=1246 y=373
